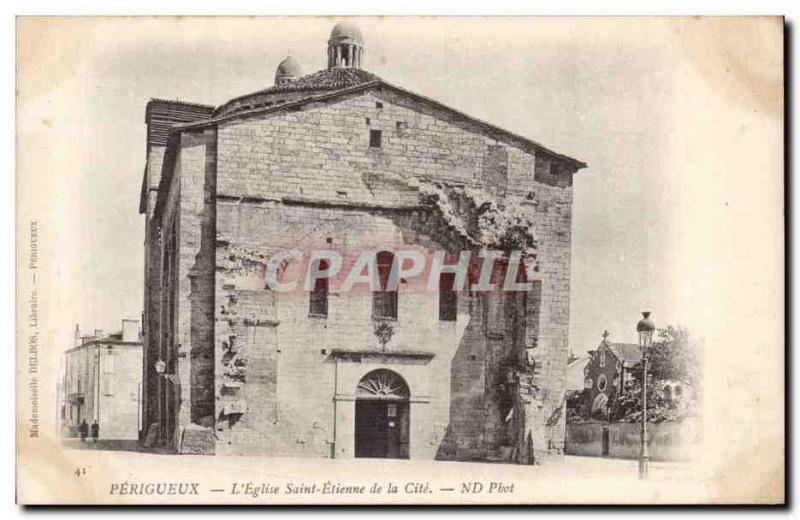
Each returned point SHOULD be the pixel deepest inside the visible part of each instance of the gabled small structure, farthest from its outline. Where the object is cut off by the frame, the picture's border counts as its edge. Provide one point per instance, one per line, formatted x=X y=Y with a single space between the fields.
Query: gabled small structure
x=606 y=374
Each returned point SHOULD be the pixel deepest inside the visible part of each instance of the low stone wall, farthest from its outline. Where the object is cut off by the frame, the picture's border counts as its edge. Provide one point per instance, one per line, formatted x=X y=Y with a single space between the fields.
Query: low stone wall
x=667 y=441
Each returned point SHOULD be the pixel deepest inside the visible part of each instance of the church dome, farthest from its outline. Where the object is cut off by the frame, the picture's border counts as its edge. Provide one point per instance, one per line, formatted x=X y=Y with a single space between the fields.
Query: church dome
x=345 y=51
x=346 y=32
x=288 y=70
x=345 y=46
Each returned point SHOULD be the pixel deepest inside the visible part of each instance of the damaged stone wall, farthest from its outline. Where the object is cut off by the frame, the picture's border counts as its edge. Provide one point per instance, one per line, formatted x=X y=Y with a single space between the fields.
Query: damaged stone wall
x=246 y=344
x=495 y=170
x=290 y=371
x=309 y=179
x=516 y=427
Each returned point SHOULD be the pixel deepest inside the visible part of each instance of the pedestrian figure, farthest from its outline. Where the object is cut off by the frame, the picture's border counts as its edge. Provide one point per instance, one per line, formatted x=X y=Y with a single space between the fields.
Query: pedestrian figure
x=83 y=429
x=95 y=432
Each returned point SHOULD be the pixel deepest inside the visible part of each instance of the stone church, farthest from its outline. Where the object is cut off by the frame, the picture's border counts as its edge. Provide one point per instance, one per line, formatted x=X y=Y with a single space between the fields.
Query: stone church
x=342 y=160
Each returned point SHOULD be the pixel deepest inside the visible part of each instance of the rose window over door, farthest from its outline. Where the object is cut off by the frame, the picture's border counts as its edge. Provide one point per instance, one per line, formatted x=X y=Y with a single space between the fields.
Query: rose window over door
x=382 y=384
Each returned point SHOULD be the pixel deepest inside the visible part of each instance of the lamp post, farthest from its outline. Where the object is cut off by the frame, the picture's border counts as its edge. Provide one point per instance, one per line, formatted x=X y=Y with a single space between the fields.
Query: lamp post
x=167 y=405
x=160 y=366
x=645 y=328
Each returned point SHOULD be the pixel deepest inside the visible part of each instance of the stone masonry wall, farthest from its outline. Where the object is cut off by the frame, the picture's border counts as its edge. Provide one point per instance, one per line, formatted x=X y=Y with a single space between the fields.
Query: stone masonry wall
x=195 y=327
x=276 y=374
x=310 y=175
x=189 y=214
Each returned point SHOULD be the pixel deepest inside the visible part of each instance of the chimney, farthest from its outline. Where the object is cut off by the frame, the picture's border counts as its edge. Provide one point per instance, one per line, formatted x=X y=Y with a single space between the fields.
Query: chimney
x=130 y=330
x=77 y=339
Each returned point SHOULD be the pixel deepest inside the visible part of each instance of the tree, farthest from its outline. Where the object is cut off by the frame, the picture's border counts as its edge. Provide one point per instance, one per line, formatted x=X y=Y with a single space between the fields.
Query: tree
x=575 y=400
x=672 y=357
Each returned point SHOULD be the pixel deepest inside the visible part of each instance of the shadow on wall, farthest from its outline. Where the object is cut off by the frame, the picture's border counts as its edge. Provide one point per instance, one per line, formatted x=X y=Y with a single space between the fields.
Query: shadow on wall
x=481 y=425
x=464 y=433
x=201 y=296
x=478 y=403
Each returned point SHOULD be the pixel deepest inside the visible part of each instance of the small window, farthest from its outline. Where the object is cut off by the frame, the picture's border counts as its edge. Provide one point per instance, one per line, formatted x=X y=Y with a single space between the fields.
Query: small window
x=602 y=359
x=368 y=121
x=378 y=104
x=374 y=138
x=448 y=298
x=384 y=302
x=318 y=297
x=402 y=126
x=602 y=382
x=109 y=365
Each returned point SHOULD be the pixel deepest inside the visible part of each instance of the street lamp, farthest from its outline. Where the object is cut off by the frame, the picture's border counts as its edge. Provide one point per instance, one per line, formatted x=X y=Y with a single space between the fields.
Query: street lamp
x=161 y=367
x=645 y=328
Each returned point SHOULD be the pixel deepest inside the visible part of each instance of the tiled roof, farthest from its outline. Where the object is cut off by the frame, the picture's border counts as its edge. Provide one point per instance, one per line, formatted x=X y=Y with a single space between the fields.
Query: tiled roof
x=327 y=79
x=161 y=114
x=626 y=352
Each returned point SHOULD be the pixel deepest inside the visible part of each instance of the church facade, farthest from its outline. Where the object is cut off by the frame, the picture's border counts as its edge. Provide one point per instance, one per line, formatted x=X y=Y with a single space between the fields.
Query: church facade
x=341 y=160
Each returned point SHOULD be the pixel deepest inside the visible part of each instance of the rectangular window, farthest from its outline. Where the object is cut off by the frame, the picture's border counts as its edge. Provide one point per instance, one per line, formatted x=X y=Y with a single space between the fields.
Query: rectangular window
x=384 y=302
x=374 y=138
x=401 y=128
x=318 y=297
x=602 y=359
x=378 y=104
x=109 y=362
x=448 y=298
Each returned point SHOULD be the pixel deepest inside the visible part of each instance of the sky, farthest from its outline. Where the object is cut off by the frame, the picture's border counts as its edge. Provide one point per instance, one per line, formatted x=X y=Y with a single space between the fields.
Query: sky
x=641 y=103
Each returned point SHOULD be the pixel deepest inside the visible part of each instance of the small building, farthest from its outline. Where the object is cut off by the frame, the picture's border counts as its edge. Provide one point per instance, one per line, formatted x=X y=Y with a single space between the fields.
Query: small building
x=677 y=394
x=606 y=373
x=576 y=373
x=102 y=379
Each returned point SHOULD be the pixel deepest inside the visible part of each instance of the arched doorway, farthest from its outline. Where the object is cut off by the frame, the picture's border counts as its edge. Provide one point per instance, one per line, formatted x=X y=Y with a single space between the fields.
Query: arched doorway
x=382 y=416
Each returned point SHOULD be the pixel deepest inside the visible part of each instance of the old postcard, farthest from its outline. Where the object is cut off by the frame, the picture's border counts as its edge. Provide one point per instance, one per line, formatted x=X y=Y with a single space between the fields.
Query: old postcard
x=400 y=260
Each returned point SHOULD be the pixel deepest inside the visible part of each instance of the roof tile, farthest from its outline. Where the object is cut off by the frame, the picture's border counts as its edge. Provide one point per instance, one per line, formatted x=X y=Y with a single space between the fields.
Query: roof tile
x=626 y=352
x=327 y=79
